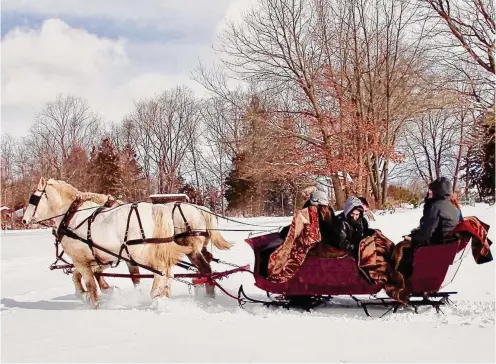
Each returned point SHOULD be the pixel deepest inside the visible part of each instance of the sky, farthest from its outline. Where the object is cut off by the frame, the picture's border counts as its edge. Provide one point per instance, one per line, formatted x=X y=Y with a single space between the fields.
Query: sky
x=111 y=52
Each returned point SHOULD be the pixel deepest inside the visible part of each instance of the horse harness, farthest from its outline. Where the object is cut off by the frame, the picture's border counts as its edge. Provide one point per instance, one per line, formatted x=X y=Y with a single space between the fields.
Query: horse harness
x=64 y=230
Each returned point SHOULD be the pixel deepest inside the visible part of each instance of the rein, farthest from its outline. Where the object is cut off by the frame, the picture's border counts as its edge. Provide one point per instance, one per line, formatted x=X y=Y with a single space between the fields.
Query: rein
x=64 y=230
x=229 y=219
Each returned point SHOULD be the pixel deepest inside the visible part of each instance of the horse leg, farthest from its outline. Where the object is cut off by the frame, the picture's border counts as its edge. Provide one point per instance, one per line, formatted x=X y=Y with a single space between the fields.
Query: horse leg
x=90 y=282
x=104 y=286
x=203 y=266
x=134 y=269
x=78 y=284
x=161 y=285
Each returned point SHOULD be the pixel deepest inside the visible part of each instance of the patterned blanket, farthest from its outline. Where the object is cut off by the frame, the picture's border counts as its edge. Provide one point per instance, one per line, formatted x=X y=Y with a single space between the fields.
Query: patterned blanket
x=472 y=228
x=303 y=235
x=374 y=257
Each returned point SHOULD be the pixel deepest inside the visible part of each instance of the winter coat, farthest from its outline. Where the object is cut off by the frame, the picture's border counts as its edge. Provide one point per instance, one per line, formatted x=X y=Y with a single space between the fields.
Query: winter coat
x=347 y=232
x=439 y=216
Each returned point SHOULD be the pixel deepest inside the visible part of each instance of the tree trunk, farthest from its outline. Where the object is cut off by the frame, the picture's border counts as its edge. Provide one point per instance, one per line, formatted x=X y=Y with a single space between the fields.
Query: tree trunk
x=338 y=192
x=384 y=182
x=459 y=156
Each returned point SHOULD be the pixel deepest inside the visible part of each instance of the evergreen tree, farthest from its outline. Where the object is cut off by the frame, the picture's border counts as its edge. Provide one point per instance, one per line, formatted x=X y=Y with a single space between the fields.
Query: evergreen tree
x=480 y=160
x=238 y=190
x=106 y=171
x=133 y=182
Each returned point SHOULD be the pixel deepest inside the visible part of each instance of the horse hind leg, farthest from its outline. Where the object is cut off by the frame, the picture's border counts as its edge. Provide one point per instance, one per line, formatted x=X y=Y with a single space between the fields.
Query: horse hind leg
x=91 y=286
x=161 y=285
x=134 y=270
x=77 y=278
x=204 y=267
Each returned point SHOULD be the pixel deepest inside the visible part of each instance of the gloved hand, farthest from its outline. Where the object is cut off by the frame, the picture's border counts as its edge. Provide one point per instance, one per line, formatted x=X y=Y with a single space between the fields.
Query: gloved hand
x=351 y=247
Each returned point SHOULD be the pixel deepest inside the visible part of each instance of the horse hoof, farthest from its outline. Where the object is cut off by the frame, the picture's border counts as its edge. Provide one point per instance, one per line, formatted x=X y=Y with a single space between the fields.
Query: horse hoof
x=109 y=290
x=79 y=294
x=85 y=297
x=160 y=303
x=201 y=291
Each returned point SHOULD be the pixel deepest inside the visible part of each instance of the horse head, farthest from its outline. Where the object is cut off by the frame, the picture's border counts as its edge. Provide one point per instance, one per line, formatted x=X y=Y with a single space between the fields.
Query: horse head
x=48 y=199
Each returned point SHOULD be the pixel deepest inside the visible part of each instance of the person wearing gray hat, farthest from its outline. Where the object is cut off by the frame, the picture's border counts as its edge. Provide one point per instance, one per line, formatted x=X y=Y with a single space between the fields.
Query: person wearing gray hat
x=317 y=198
x=326 y=215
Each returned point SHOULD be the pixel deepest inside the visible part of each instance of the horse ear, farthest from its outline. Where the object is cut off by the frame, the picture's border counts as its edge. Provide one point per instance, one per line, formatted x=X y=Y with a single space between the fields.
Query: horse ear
x=41 y=184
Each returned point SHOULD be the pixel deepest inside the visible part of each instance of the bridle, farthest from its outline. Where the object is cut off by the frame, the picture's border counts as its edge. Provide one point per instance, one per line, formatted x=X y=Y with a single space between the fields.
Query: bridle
x=35 y=199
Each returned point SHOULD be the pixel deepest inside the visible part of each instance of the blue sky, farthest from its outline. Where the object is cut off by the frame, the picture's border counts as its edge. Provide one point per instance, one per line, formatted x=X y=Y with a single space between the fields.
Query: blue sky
x=101 y=26
x=110 y=52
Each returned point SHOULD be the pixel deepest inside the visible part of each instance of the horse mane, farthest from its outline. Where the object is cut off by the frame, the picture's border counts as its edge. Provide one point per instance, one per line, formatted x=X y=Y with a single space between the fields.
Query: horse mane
x=65 y=189
x=70 y=192
x=94 y=197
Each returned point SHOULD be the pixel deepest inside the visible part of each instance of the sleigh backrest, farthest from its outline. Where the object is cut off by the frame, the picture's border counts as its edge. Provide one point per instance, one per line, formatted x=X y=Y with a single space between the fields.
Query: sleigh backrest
x=430 y=265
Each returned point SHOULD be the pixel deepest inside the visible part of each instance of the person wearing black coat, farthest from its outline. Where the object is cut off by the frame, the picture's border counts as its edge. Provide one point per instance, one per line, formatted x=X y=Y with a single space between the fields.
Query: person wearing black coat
x=351 y=226
x=439 y=216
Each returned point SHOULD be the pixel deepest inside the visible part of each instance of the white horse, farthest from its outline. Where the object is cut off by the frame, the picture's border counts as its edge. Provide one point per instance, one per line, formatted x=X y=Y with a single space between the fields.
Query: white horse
x=199 y=218
x=54 y=198
x=77 y=278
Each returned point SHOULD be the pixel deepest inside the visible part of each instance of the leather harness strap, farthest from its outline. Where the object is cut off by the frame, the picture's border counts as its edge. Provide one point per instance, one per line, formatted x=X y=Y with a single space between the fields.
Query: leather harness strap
x=63 y=230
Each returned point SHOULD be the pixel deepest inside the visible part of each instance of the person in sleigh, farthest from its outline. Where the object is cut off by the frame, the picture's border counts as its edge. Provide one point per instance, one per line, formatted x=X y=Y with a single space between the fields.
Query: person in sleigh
x=351 y=226
x=440 y=215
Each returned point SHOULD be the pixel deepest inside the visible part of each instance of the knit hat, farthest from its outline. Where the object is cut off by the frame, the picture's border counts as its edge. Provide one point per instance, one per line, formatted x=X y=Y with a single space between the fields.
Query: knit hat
x=319 y=198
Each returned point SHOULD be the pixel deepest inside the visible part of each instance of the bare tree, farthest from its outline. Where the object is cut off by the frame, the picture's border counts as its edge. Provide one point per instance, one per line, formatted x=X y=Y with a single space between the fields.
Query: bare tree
x=472 y=24
x=275 y=46
x=7 y=168
x=431 y=143
x=62 y=125
x=164 y=129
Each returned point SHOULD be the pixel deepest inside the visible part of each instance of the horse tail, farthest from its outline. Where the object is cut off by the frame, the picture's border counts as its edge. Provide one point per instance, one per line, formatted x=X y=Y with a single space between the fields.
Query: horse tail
x=171 y=253
x=216 y=238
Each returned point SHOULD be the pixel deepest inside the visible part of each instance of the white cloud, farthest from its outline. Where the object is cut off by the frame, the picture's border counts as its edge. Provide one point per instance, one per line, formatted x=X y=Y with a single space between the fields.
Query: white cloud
x=37 y=65
x=166 y=14
x=235 y=12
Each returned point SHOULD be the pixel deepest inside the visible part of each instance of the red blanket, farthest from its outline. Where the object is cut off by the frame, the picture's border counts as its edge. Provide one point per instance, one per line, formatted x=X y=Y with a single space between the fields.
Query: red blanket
x=472 y=228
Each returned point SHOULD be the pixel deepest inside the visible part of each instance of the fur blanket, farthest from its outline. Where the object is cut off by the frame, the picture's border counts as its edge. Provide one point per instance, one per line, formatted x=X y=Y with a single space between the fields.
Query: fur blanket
x=303 y=235
x=398 y=285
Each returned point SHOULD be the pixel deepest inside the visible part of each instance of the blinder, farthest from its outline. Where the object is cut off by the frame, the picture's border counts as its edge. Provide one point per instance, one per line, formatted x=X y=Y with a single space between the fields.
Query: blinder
x=35 y=200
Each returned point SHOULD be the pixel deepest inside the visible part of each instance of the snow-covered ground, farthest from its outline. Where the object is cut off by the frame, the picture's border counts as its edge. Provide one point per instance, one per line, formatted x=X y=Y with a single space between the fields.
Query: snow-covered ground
x=43 y=321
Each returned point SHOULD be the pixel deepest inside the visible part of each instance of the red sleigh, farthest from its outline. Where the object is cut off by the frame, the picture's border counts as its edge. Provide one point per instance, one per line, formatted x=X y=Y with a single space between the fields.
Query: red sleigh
x=321 y=278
